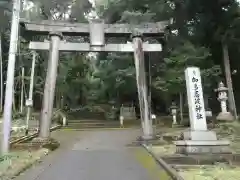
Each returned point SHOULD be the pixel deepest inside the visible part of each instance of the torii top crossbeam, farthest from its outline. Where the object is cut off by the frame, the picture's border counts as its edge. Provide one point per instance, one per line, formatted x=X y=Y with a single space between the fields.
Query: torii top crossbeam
x=81 y=29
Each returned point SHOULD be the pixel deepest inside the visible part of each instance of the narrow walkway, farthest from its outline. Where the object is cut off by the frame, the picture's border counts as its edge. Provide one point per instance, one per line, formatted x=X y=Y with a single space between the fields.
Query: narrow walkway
x=93 y=155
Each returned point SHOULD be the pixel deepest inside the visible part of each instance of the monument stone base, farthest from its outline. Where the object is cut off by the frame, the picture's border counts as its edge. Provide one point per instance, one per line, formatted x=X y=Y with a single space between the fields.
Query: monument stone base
x=148 y=137
x=200 y=142
x=200 y=135
x=202 y=147
x=225 y=116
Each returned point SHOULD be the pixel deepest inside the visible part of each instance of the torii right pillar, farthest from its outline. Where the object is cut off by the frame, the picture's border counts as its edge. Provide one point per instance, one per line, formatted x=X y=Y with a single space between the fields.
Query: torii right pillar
x=142 y=86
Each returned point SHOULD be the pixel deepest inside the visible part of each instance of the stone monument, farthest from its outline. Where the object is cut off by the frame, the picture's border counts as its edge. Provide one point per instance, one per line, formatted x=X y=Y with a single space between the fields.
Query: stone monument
x=224 y=115
x=199 y=139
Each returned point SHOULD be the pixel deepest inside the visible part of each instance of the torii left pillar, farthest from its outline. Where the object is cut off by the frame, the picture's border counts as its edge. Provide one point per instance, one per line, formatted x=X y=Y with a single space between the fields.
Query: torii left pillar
x=49 y=89
x=142 y=86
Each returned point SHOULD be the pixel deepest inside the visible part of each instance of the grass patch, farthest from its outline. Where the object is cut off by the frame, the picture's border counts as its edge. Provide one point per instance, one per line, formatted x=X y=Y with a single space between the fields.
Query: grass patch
x=52 y=144
x=231 y=132
x=162 y=150
x=227 y=131
x=20 y=134
x=166 y=146
x=18 y=161
x=216 y=172
x=224 y=131
x=154 y=170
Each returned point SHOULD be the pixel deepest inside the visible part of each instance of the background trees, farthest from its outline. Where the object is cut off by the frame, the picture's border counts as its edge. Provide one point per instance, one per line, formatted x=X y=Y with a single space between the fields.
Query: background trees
x=196 y=37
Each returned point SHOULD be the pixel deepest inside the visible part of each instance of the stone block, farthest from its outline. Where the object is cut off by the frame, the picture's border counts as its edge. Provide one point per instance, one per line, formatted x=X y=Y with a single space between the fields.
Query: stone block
x=200 y=135
x=225 y=116
x=202 y=147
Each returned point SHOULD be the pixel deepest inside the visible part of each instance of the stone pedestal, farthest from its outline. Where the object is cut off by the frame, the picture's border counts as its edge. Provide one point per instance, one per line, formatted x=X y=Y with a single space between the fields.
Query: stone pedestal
x=200 y=135
x=200 y=142
x=225 y=116
x=201 y=147
x=41 y=141
x=208 y=113
x=174 y=120
x=48 y=143
x=148 y=138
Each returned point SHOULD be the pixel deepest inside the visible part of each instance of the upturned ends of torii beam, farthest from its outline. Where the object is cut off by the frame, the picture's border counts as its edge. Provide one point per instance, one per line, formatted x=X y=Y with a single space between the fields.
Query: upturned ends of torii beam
x=44 y=27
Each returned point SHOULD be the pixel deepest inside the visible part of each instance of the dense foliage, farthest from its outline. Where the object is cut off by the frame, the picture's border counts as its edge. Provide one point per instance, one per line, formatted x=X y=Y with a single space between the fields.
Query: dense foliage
x=194 y=38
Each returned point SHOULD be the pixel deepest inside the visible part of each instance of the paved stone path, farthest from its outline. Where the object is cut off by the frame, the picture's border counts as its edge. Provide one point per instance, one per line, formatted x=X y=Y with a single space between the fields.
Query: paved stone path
x=94 y=155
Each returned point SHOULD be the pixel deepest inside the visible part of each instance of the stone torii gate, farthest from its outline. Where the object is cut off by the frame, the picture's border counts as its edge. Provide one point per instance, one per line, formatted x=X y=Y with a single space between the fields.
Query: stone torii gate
x=97 y=30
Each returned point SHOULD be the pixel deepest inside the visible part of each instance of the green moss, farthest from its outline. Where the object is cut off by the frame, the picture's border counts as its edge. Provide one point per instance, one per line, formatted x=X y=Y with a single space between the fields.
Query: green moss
x=154 y=169
x=216 y=172
x=162 y=150
x=18 y=161
x=52 y=144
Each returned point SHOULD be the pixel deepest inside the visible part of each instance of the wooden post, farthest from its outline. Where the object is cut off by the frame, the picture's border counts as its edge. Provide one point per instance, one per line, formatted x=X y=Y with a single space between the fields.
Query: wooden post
x=22 y=90
x=1 y=75
x=49 y=89
x=141 y=86
x=181 y=106
x=149 y=87
x=228 y=76
x=29 y=101
x=9 y=90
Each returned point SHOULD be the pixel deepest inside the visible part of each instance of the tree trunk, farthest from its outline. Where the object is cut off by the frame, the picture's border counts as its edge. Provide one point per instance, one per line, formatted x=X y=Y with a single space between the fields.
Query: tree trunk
x=58 y=99
x=22 y=91
x=62 y=101
x=1 y=75
x=181 y=106
x=30 y=92
x=231 y=100
x=13 y=102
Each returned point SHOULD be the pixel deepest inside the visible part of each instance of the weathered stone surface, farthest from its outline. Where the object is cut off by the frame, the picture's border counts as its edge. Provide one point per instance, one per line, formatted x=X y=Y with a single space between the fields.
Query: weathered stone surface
x=86 y=47
x=201 y=147
x=225 y=116
x=198 y=140
x=200 y=135
x=197 y=114
x=82 y=29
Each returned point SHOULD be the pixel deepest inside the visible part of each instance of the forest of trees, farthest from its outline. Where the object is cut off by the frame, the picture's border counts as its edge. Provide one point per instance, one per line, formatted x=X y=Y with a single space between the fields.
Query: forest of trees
x=200 y=32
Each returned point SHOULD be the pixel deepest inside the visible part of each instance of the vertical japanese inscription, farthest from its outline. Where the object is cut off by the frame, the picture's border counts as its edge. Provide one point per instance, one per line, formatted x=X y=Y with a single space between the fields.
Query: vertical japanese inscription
x=195 y=99
x=198 y=107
